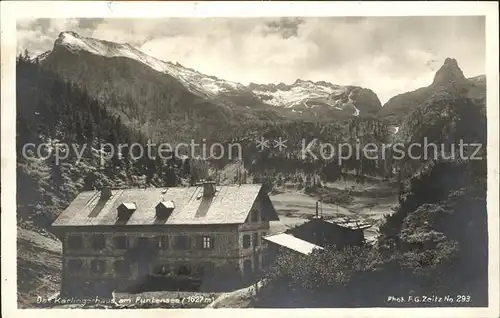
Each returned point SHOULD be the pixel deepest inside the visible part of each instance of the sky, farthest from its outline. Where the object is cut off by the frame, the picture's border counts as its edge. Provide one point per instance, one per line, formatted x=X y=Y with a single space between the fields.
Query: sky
x=389 y=55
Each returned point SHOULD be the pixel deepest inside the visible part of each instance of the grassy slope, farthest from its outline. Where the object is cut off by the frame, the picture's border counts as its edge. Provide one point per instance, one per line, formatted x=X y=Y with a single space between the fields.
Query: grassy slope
x=39 y=266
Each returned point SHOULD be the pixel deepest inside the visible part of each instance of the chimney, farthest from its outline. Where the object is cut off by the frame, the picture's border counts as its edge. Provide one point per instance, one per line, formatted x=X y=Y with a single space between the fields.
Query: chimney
x=208 y=189
x=317 y=209
x=105 y=193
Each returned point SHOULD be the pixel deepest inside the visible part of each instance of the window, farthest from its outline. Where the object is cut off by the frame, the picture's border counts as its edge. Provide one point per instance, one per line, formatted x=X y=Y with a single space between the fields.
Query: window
x=246 y=241
x=122 y=267
x=121 y=242
x=183 y=270
x=262 y=240
x=163 y=270
x=75 y=242
x=98 y=266
x=207 y=242
x=263 y=215
x=75 y=265
x=98 y=242
x=255 y=239
x=142 y=242
x=162 y=242
x=181 y=242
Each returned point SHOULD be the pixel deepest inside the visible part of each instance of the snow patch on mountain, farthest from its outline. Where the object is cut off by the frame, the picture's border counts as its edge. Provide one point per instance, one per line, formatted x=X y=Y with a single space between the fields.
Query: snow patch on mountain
x=351 y=103
x=299 y=93
x=356 y=111
x=307 y=95
x=193 y=80
x=393 y=129
x=41 y=57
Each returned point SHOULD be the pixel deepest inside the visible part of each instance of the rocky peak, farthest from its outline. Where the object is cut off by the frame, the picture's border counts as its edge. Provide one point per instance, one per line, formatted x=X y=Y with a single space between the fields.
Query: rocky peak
x=450 y=61
x=66 y=36
x=68 y=33
x=449 y=73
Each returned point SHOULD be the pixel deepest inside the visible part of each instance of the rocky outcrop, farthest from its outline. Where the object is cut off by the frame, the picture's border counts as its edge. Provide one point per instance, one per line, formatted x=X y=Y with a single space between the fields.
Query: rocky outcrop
x=449 y=79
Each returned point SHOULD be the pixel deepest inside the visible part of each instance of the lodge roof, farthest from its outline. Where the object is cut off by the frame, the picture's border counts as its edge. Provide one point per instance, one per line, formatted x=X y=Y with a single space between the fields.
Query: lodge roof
x=230 y=204
x=293 y=243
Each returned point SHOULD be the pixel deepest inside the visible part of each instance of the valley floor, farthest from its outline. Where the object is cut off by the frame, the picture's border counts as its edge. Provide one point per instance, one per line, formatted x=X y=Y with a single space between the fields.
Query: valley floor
x=370 y=202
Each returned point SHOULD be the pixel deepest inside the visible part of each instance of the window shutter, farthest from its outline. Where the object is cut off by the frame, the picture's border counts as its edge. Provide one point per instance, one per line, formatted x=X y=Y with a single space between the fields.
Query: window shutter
x=162 y=242
x=212 y=238
x=199 y=242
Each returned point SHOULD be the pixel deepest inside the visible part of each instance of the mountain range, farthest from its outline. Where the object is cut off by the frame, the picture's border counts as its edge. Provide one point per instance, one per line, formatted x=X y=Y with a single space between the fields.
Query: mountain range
x=168 y=99
x=299 y=96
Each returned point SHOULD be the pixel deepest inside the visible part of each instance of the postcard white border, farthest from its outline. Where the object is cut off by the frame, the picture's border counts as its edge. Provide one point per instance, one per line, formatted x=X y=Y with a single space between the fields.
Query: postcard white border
x=13 y=10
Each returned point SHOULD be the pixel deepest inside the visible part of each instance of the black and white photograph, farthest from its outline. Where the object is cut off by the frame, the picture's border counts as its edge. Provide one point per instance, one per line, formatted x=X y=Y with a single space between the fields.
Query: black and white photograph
x=277 y=161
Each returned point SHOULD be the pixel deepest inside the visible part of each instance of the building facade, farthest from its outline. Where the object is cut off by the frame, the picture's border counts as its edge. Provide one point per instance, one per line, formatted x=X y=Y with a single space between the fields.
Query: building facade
x=325 y=233
x=163 y=239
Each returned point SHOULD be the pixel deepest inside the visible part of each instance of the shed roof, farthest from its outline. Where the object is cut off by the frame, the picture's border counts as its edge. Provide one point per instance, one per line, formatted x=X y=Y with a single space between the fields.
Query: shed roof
x=230 y=205
x=291 y=242
x=350 y=224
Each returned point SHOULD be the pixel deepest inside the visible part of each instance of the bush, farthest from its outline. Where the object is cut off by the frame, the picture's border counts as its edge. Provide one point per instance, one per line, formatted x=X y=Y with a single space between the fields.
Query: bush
x=321 y=270
x=426 y=246
x=342 y=197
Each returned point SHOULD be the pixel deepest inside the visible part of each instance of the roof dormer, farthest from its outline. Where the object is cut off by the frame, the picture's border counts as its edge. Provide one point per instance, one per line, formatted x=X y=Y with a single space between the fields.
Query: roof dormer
x=164 y=209
x=126 y=209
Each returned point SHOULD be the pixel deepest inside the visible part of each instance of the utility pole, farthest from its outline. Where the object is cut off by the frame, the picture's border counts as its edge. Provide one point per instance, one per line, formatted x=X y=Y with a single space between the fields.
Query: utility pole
x=321 y=202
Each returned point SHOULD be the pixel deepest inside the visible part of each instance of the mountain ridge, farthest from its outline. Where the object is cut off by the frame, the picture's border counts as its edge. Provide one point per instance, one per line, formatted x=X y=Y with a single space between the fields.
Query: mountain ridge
x=301 y=100
x=301 y=96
